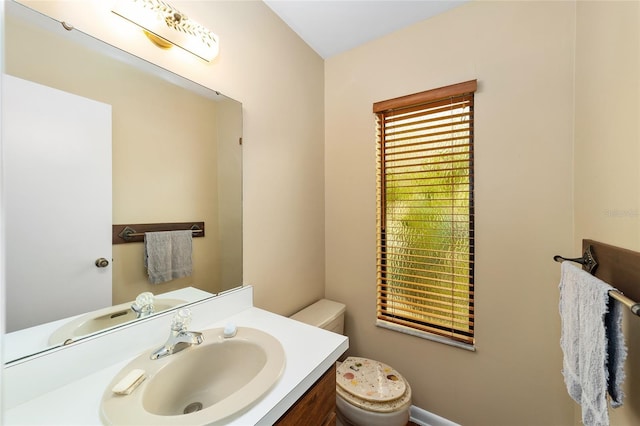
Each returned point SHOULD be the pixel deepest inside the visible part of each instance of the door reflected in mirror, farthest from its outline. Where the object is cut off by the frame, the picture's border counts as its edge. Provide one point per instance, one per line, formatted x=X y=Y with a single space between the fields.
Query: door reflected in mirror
x=176 y=157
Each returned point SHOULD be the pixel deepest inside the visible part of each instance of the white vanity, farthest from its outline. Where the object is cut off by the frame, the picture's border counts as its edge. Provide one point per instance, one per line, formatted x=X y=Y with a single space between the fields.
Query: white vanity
x=65 y=386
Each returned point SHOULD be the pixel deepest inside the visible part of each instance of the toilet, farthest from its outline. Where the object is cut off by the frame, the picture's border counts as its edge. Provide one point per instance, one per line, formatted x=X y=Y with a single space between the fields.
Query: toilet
x=368 y=392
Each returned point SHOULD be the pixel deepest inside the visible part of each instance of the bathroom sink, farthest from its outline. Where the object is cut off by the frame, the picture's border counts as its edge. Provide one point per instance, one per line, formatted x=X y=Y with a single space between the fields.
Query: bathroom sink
x=205 y=384
x=105 y=318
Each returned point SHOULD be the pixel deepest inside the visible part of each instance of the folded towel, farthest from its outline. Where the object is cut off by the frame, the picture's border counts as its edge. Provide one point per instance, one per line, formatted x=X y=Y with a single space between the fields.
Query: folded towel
x=592 y=343
x=167 y=255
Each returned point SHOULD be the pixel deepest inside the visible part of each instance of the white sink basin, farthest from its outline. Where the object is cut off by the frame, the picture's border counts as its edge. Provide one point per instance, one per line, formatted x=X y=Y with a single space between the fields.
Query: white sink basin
x=205 y=384
x=103 y=319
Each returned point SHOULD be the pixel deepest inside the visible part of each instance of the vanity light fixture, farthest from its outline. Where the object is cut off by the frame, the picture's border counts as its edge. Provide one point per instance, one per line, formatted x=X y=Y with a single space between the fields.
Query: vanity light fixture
x=166 y=26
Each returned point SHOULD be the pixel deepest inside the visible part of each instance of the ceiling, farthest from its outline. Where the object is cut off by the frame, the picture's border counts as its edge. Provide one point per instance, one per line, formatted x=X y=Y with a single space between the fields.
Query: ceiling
x=331 y=27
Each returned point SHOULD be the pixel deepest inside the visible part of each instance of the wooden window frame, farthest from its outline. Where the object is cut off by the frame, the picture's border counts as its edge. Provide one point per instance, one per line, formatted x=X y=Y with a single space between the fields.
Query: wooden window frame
x=421 y=152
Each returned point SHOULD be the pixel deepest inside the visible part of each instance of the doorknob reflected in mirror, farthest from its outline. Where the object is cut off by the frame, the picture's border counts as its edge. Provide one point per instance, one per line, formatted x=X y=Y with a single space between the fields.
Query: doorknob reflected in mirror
x=102 y=262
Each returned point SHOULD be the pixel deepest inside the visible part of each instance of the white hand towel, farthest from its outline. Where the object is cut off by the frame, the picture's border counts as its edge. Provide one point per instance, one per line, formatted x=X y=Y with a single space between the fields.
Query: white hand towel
x=167 y=255
x=592 y=343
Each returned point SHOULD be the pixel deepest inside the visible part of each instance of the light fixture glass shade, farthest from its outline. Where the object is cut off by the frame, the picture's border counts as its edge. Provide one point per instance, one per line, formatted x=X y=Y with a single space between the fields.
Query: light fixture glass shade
x=160 y=19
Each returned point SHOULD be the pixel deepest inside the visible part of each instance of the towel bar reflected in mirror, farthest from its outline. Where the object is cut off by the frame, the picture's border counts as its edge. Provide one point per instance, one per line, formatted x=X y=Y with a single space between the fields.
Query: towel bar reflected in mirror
x=135 y=233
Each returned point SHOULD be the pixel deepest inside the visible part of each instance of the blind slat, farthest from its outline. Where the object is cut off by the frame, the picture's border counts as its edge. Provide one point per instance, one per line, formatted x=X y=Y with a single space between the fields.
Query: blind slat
x=464 y=116
x=442 y=276
x=451 y=321
x=463 y=148
x=436 y=301
x=434 y=285
x=390 y=143
x=425 y=257
x=436 y=317
x=445 y=128
x=463 y=293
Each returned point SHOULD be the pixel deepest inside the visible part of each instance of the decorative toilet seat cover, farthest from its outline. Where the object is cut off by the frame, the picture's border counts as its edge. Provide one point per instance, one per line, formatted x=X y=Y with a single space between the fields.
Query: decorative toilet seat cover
x=370 y=380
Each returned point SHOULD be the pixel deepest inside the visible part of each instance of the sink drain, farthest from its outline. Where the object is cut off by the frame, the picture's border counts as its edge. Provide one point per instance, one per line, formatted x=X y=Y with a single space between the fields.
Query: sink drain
x=193 y=407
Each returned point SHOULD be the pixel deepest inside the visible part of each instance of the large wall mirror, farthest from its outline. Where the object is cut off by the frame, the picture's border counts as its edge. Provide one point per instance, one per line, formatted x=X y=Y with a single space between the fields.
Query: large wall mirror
x=176 y=156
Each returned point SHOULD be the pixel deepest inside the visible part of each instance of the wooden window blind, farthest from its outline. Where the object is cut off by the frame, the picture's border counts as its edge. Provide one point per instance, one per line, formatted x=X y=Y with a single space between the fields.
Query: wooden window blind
x=425 y=226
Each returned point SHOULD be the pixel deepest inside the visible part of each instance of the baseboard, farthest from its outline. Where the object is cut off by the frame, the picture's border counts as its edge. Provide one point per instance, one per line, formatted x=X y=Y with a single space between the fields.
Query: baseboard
x=425 y=418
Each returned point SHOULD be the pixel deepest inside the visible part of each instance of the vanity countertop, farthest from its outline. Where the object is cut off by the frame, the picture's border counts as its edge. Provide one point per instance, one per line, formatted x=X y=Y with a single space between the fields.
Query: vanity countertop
x=310 y=352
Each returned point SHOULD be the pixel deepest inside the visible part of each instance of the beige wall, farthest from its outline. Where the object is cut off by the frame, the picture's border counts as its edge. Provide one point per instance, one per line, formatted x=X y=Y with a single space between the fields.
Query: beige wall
x=279 y=80
x=522 y=55
x=607 y=151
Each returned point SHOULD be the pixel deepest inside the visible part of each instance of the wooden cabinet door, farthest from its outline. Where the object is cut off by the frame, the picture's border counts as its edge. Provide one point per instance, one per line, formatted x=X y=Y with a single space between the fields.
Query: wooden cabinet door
x=317 y=406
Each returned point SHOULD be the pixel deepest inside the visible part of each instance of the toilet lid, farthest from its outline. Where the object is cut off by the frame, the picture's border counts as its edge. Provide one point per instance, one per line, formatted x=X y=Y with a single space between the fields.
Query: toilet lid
x=370 y=380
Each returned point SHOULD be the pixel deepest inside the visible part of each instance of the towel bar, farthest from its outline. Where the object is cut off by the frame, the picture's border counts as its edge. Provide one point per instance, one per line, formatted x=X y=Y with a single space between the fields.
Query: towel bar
x=590 y=264
x=134 y=233
x=635 y=307
x=128 y=233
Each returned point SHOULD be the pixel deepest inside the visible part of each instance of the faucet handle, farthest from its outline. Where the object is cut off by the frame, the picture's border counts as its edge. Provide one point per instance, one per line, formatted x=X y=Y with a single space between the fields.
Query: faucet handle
x=144 y=301
x=143 y=305
x=181 y=320
x=145 y=298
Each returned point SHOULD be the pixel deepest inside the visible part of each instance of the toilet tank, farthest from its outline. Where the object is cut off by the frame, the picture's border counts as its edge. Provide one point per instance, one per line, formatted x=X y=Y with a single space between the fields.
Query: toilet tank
x=325 y=314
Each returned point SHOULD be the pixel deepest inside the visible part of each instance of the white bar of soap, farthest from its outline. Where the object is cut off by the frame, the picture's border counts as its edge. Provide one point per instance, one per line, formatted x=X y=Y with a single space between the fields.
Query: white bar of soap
x=129 y=382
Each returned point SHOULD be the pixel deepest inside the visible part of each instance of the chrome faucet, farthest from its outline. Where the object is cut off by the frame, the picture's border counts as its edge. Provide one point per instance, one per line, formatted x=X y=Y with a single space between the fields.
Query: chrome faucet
x=179 y=338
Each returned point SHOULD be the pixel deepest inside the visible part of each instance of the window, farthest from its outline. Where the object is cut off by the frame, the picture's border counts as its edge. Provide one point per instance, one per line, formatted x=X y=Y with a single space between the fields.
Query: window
x=425 y=214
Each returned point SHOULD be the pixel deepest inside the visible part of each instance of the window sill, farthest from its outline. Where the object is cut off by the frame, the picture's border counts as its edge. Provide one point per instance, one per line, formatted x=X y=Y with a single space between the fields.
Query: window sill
x=424 y=335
